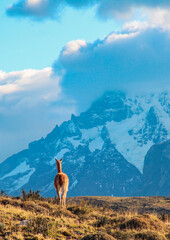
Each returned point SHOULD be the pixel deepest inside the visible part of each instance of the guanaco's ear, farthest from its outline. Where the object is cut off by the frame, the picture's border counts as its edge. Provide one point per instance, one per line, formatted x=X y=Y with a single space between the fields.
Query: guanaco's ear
x=56 y=159
x=61 y=159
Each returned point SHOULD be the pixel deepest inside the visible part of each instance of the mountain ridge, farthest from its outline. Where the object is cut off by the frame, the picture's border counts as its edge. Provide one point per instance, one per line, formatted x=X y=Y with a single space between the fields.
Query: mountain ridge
x=126 y=126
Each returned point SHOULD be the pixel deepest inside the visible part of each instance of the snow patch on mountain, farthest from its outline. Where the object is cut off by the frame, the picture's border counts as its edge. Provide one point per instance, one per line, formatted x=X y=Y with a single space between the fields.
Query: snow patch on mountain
x=73 y=184
x=21 y=168
x=126 y=144
x=72 y=127
x=81 y=160
x=74 y=141
x=61 y=153
x=134 y=136
x=21 y=181
x=48 y=187
x=91 y=133
x=97 y=143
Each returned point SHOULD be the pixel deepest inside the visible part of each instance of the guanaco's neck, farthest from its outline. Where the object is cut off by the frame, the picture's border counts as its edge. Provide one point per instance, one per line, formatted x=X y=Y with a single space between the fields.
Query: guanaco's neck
x=59 y=169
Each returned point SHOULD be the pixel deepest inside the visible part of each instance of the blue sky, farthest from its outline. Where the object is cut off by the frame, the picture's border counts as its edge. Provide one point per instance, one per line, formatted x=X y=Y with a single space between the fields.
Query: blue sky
x=35 y=44
x=54 y=53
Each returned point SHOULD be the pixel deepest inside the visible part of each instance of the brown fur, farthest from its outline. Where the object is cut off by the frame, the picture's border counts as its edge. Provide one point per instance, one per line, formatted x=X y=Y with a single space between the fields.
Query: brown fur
x=60 y=179
x=61 y=183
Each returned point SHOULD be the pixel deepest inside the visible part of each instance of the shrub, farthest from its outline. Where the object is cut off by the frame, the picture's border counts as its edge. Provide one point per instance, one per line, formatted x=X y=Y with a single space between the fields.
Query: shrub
x=163 y=217
x=32 y=195
x=144 y=221
x=67 y=233
x=120 y=235
x=102 y=221
x=134 y=223
x=77 y=210
x=149 y=235
x=80 y=210
x=3 y=193
x=98 y=236
x=2 y=227
x=38 y=225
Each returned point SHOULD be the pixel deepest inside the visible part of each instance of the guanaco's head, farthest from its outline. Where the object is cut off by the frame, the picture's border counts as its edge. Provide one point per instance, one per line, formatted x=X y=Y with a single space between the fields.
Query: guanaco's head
x=58 y=164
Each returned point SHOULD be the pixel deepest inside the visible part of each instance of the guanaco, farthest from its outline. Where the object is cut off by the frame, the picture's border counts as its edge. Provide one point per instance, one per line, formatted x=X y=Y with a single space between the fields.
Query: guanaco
x=61 y=182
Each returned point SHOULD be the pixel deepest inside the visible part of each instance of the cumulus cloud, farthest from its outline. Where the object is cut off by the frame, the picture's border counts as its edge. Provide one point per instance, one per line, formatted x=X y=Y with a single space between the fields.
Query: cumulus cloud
x=125 y=8
x=27 y=81
x=134 y=26
x=73 y=46
x=36 y=9
x=40 y=9
x=31 y=104
x=151 y=18
x=158 y=18
x=128 y=61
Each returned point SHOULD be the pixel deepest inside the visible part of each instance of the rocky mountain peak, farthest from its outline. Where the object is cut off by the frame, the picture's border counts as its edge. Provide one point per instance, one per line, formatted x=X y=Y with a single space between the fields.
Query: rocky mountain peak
x=110 y=139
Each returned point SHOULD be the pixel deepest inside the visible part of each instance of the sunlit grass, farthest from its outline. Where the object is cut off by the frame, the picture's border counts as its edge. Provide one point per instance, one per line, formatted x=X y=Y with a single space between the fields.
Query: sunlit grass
x=121 y=218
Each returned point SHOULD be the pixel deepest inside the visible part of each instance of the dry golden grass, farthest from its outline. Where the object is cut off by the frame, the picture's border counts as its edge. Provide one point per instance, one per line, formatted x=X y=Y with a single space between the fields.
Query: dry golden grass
x=85 y=218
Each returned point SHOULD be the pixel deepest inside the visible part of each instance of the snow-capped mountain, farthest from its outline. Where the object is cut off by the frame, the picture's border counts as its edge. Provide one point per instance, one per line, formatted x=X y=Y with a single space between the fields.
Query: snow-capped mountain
x=103 y=148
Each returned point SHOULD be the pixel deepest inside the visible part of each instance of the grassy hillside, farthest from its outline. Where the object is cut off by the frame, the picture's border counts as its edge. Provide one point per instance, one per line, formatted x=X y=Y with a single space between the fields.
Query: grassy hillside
x=32 y=217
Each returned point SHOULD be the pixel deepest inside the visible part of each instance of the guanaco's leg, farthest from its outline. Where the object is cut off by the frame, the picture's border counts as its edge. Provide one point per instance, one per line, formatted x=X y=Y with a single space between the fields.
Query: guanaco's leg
x=59 y=197
x=64 y=198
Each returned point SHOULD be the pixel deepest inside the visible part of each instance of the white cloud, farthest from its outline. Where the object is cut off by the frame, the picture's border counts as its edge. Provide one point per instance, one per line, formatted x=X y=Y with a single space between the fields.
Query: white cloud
x=150 y=18
x=73 y=46
x=34 y=2
x=117 y=37
x=159 y=18
x=36 y=9
x=35 y=84
x=125 y=8
x=122 y=9
x=31 y=104
x=130 y=61
x=27 y=81
x=134 y=26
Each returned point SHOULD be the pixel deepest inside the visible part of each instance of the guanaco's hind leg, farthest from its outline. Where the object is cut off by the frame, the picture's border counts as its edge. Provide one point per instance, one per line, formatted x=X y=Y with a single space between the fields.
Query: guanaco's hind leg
x=59 y=196
x=64 y=195
x=63 y=200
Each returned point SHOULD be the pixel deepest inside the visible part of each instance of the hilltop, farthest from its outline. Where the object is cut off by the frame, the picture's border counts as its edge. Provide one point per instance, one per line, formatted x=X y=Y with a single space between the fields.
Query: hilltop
x=35 y=218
